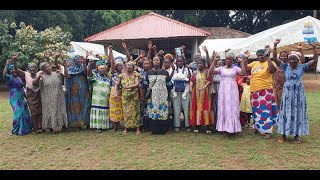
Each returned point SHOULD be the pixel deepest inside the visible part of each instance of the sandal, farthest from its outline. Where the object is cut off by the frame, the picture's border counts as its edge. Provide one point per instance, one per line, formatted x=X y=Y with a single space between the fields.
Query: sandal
x=138 y=132
x=282 y=140
x=208 y=132
x=124 y=132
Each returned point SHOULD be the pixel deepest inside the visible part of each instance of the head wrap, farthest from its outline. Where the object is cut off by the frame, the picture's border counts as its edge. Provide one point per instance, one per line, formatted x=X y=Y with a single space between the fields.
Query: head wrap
x=30 y=65
x=202 y=60
x=229 y=54
x=131 y=63
x=101 y=63
x=168 y=56
x=43 y=65
x=295 y=54
x=260 y=52
x=118 y=60
x=11 y=66
x=74 y=66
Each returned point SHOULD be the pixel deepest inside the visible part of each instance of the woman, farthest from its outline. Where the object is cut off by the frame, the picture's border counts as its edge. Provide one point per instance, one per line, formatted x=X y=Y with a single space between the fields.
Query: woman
x=21 y=115
x=99 y=114
x=200 y=112
x=157 y=110
x=116 y=113
x=181 y=96
x=264 y=107
x=146 y=126
x=293 y=116
x=130 y=97
x=54 y=114
x=77 y=93
x=279 y=76
x=228 y=98
x=33 y=95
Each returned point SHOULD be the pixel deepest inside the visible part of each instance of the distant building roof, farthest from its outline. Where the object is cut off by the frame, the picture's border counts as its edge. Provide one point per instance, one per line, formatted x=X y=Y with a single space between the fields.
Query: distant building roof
x=149 y=26
x=224 y=33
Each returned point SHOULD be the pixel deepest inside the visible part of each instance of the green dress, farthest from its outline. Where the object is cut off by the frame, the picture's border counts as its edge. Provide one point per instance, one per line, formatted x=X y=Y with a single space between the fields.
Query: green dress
x=130 y=102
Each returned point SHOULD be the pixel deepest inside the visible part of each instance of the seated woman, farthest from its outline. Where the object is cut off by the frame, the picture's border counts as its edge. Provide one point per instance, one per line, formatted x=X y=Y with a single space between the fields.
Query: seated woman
x=21 y=116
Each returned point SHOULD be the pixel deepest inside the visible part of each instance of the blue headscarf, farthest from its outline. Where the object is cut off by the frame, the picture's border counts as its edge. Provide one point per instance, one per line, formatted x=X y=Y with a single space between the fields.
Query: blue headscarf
x=74 y=67
x=236 y=63
x=11 y=66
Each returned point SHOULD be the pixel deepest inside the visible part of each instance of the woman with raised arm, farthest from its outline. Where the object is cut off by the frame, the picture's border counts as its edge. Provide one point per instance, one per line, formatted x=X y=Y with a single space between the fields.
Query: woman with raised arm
x=21 y=115
x=200 y=110
x=278 y=76
x=130 y=97
x=77 y=92
x=116 y=112
x=54 y=114
x=228 y=96
x=264 y=107
x=157 y=110
x=99 y=115
x=33 y=95
x=293 y=116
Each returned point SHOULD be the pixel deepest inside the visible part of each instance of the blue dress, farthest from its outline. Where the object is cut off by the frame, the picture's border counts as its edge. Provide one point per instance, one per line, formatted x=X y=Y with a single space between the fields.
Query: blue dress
x=293 y=117
x=21 y=115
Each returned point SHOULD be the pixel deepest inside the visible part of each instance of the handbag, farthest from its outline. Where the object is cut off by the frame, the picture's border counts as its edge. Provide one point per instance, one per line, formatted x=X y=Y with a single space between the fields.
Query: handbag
x=149 y=89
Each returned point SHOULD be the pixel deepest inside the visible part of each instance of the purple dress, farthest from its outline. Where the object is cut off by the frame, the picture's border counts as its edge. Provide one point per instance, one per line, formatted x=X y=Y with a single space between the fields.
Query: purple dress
x=228 y=101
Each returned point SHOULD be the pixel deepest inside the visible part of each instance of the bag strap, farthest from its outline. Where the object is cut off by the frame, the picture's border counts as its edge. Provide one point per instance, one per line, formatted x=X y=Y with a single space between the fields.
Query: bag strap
x=155 y=79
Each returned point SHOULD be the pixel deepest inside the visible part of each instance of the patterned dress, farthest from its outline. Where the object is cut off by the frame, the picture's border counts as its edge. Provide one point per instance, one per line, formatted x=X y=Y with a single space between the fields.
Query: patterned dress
x=116 y=113
x=99 y=115
x=200 y=111
x=21 y=115
x=278 y=81
x=130 y=102
x=214 y=94
x=293 y=116
x=54 y=114
x=157 y=109
x=228 y=101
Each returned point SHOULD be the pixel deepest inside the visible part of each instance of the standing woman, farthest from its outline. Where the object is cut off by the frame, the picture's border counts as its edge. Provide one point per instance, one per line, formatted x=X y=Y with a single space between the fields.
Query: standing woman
x=200 y=111
x=228 y=99
x=157 y=110
x=54 y=114
x=130 y=97
x=264 y=107
x=99 y=114
x=293 y=116
x=33 y=95
x=77 y=92
x=116 y=113
x=21 y=115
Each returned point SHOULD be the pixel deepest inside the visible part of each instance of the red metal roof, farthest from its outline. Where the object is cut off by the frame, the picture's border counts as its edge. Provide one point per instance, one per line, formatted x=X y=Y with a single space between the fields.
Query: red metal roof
x=149 y=26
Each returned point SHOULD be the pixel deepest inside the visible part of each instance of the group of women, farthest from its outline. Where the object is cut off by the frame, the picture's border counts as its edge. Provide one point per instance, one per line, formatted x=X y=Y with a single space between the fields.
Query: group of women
x=151 y=93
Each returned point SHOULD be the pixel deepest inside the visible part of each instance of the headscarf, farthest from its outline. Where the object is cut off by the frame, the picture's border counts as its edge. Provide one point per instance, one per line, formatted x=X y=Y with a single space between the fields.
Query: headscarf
x=131 y=63
x=30 y=65
x=11 y=66
x=118 y=60
x=229 y=54
x=202 y=60
x=74 y=67
x=43 y=64
x=168 y=56
x=260 y=52
x=295 y=54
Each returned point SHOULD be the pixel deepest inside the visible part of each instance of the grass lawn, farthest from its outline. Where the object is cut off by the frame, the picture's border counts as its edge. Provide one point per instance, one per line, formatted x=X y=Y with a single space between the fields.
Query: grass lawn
x=176 y=150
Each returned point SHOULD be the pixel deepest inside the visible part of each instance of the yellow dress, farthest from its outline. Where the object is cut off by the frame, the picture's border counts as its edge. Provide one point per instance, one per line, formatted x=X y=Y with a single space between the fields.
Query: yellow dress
x=245 y=104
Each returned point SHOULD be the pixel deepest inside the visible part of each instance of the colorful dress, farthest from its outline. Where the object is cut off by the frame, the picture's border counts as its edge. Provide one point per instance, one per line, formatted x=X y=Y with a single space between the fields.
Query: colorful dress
x=77 y=99
x=34 y=101
x=157 y=109
x=214 y=91
x=200 y=111
x=278 y=81
x=245 y=103
x=228 y=101
x=99 y=115
x=130 y=102
x=293 y=116
x=54 y=114
x=264 y=107
x=21 y=115
x=116 y=113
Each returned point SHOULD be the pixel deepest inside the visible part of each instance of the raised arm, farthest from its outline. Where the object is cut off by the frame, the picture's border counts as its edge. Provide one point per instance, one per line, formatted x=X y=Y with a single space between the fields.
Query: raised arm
x=139 y=57
x=47 y=56
x=315 y=56
x=246 y=60
x=5 y=70
x=243 y=69
x=111 y=59
x=212 y=67
x=65 y=74
x=204 y=48
x=89 y=67
x=36 y=81
x=154 y=48
x=302 y=59
x=124 y=45
x=20 y=73
x=183 y=53
x=274 y=54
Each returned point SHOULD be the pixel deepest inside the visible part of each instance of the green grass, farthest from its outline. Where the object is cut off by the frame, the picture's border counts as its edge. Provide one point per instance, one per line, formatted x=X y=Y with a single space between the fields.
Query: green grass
x=182 y=150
